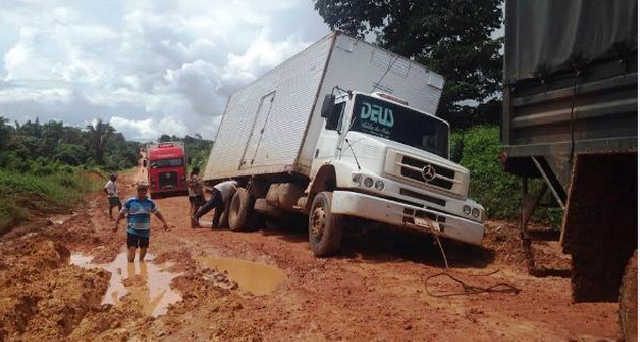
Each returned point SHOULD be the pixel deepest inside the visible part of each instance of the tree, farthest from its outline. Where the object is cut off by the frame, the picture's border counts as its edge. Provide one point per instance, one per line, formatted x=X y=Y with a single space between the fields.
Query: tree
x=98 y=136
x=5 y=131
x=451 y=37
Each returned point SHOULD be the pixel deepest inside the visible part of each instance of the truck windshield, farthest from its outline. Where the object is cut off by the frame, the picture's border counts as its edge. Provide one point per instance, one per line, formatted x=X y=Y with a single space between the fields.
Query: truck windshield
x=166 y=162
x=390 y=121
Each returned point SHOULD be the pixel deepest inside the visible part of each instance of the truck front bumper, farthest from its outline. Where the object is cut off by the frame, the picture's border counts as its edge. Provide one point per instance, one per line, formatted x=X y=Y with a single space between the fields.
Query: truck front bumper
x=409 y=216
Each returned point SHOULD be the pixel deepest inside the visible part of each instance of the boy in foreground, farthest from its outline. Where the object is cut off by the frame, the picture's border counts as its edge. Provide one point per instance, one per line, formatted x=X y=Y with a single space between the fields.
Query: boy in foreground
x=138 y=210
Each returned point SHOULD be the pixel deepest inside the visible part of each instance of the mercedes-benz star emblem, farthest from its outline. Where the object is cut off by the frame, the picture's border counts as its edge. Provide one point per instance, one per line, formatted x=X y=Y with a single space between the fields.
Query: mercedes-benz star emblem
x=428 y=173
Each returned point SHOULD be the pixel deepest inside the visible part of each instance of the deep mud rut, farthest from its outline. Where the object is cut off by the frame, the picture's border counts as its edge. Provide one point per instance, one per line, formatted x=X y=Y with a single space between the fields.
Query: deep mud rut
x=374 y=290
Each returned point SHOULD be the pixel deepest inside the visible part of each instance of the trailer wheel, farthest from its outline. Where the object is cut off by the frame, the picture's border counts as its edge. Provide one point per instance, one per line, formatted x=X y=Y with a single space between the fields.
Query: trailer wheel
x=239 y=210
x=629 y=300
x=223 y=221
x=325 y=228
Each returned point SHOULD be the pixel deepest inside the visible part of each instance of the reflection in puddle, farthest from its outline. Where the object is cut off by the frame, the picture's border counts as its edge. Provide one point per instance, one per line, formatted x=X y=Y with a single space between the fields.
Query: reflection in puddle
x=148 y=283
x=259 y=279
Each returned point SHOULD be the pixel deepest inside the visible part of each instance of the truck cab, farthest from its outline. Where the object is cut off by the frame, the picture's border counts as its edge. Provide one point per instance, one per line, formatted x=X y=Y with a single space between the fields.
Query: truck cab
x=167 y=169
x=391 y=165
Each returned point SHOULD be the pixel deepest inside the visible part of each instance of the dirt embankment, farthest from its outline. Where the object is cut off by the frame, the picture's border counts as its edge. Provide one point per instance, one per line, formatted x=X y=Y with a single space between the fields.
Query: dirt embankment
x=373 y=291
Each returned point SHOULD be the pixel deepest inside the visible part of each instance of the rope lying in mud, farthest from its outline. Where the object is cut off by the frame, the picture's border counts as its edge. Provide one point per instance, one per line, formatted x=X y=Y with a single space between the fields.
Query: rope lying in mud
x=467 y=289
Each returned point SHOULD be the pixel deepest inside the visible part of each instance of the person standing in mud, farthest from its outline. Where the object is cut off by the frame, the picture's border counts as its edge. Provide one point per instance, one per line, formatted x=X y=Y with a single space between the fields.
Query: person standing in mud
x=138 y=210
x=220 y=194
x=111 y=189
x=196 y=192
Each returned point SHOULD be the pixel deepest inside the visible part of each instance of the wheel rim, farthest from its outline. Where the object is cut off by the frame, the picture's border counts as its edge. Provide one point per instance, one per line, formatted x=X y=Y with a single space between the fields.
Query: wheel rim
x=317 y=223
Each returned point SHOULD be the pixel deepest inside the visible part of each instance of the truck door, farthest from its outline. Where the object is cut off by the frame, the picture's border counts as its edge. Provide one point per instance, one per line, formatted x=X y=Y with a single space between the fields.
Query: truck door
x=257 y=131
x=329 y=137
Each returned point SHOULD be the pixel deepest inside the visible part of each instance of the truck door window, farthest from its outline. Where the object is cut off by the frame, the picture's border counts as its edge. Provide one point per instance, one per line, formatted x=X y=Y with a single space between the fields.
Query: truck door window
x=334 y=123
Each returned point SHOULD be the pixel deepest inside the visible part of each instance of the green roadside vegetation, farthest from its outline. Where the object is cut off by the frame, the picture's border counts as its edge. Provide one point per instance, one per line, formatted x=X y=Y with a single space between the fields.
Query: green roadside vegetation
x=49 y=168
x=57 y=192
x=478 y=149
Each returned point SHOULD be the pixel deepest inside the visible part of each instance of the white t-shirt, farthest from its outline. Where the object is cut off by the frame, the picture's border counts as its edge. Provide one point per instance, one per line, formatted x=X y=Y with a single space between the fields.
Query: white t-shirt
x=225 y=189
x=112 y=189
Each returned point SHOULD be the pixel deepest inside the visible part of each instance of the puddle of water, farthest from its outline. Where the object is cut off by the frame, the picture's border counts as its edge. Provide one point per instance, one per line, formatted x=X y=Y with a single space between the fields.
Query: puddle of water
x=148 y=283
x=258 y=279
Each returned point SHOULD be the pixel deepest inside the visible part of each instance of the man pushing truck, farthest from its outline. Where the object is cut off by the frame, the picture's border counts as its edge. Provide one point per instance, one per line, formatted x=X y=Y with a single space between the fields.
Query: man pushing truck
x=220 y=195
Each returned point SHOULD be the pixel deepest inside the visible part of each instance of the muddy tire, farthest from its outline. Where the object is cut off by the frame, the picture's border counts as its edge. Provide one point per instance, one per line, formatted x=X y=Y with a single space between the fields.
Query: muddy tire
x=239 y=210
x=629 y=300
x=325 y=229
x=223 y=222
x=224 y=218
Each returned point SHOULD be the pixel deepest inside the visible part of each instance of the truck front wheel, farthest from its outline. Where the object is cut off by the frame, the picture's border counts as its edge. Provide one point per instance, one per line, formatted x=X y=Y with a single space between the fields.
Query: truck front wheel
x=629 y=300
x=239 y=209
x=325 y=228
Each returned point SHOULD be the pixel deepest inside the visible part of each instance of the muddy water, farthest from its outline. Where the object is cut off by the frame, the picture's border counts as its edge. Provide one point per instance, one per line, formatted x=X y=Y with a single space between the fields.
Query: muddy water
x=148 y=283
x=255 y=278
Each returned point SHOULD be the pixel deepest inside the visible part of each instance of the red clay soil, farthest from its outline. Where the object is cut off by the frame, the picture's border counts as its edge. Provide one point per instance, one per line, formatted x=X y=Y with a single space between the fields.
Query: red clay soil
x=374 y=290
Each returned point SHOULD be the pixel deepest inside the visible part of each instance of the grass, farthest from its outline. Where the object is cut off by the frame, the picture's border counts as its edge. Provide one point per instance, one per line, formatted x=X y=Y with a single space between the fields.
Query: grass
x=21 y=193
x=499 y=192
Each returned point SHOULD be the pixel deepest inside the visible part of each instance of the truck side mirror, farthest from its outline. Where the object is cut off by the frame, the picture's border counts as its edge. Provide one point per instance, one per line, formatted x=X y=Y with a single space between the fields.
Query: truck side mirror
x=328 y=106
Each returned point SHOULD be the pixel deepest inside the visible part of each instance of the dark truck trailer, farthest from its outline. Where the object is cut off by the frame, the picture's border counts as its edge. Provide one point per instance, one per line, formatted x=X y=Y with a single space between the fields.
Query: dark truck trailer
x=570 y=117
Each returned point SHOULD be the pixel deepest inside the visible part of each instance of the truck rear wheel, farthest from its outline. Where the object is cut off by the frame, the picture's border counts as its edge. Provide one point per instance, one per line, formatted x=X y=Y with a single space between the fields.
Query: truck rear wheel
x=223 y=221
x=325 y=228
x=239 y=210
x=629 y=300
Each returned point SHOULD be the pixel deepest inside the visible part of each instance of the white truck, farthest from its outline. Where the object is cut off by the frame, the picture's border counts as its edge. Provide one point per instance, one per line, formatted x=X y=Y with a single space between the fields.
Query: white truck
x=343 y=130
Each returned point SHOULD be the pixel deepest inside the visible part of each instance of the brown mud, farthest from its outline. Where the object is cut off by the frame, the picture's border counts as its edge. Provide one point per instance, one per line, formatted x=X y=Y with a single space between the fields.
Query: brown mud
x=374 y=290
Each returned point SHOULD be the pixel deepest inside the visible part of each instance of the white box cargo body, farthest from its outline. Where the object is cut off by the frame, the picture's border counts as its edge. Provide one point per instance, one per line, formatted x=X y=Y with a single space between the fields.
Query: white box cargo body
x=273 y=124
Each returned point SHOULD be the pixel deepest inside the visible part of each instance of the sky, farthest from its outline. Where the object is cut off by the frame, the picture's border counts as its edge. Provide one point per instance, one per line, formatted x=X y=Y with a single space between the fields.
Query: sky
x=147 y=67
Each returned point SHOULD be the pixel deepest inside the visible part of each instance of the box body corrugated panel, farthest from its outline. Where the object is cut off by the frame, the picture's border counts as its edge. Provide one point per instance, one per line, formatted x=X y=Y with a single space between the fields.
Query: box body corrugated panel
x=293 y=85
x=273 y=124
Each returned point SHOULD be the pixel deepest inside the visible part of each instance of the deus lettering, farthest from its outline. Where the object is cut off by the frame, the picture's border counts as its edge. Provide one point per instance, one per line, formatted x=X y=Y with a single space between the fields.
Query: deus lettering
x=375 y=113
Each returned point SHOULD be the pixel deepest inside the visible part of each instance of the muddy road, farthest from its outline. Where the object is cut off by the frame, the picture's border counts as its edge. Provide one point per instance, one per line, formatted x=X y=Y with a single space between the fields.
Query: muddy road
x=68 y=279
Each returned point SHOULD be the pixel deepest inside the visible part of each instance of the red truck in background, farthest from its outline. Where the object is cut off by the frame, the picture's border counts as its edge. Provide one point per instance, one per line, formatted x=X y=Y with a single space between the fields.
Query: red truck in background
x=167 y=171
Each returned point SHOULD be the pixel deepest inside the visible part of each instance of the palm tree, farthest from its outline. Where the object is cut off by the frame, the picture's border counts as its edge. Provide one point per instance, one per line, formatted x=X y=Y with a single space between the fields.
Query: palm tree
x=98 y=136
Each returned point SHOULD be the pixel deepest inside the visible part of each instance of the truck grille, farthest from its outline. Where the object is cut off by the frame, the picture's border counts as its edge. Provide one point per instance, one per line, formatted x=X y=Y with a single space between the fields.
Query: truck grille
x=413 y=168
x=168 y=179
x=425 y=172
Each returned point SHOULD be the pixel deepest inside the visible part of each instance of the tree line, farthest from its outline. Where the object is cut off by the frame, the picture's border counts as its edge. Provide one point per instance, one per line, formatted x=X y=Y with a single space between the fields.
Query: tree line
x=44 y=148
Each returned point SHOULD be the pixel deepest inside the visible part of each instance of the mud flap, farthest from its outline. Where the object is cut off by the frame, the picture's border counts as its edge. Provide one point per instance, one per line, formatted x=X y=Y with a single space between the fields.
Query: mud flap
x=600 y=223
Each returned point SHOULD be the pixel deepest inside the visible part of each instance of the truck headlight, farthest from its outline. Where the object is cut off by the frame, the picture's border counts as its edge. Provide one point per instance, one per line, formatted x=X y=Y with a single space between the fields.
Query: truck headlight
x=379 y=185
x=466 y=210
x=368 y=182
x=356 y=178
x=475 y=212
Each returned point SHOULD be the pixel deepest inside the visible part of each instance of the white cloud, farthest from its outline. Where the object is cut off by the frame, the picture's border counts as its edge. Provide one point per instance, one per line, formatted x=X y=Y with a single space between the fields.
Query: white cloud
x=30 y=93
x=262 y=55
x=169 y=65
